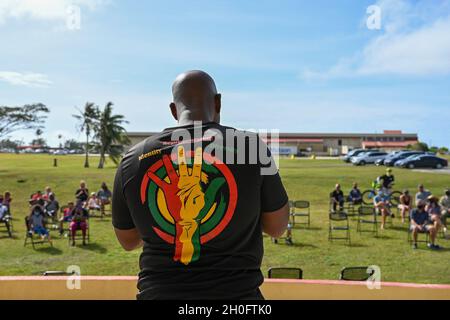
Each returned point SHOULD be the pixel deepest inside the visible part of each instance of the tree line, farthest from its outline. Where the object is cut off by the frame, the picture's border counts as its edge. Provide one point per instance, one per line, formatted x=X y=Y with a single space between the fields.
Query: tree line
x=102 y=128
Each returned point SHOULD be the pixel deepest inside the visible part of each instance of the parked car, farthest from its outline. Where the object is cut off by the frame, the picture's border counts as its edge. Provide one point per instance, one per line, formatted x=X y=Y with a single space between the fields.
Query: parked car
x=355 y=152
x=425 y=161
x=369 y=157
x=60 y=152
x=403 y=155
x=391 y=155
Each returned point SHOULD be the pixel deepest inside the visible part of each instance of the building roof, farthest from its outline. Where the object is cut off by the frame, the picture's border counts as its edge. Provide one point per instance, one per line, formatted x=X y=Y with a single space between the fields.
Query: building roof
x=387 y=144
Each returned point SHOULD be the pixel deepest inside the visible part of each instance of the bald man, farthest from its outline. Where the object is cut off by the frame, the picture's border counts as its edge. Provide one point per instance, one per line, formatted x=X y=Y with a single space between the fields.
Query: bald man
x=198 y=214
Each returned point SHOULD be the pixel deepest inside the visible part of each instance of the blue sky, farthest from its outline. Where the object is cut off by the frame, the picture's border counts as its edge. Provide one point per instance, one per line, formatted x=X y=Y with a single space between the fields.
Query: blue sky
x=304 y=66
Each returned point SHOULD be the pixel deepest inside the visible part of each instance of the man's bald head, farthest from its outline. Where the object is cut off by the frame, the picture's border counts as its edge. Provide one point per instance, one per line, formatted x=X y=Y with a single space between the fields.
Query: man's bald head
x=195 y=98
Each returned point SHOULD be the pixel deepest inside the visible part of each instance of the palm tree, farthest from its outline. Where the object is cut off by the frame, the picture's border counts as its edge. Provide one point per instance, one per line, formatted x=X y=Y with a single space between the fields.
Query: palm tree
x=88 y=121
x=110 y=134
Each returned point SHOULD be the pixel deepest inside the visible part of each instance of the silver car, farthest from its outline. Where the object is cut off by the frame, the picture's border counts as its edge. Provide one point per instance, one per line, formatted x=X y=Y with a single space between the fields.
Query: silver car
x=368 y=158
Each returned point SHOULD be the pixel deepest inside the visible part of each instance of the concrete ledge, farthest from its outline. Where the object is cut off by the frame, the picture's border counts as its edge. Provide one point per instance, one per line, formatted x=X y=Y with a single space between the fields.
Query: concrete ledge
x=124 y=288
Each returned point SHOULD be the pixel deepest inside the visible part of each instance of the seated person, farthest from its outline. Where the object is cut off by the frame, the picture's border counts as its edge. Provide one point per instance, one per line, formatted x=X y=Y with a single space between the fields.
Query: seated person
x=93 y=202
x=422 y=194
x=82 y=194
x=355 y=195
x=3 y=213
x=52 y=206
x=36 y=222
x=382 y=206
x=79 y=222
x=67 y=216
x=7 y=200
x=420 y=223
x=47 y=194
x=405 y=204
x=37 y=199
x=104 y=196
x=445 y=209
x=337 y=198
x=434 y=211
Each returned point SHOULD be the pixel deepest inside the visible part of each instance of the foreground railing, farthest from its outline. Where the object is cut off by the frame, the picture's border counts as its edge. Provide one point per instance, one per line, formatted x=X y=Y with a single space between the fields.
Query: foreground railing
x=114 y=288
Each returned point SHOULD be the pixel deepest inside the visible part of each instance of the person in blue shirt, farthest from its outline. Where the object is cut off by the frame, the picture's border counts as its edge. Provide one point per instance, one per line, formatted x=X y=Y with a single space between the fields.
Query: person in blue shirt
x=420 y=223
x=382 y=205
x=355 y=195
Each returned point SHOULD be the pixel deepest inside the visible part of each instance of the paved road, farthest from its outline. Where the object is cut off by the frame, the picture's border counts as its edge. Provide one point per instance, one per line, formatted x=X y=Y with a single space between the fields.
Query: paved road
x=442 y=171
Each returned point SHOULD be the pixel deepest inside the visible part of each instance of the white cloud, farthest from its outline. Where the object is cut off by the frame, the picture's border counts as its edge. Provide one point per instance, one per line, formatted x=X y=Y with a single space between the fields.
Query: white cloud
x=411 y=44
x=43 y=9
x=27 y=79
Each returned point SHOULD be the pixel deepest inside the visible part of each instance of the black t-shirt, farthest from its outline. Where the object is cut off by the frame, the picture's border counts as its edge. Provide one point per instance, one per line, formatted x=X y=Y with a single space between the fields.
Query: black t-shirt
x=387 y=180
x=82 y=194
x=338 y=195
x=199 y=217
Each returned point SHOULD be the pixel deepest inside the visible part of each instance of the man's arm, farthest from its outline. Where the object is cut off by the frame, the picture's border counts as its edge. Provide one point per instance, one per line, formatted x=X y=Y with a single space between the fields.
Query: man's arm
x=275 y=223
x=126 y=232
x=129 y=239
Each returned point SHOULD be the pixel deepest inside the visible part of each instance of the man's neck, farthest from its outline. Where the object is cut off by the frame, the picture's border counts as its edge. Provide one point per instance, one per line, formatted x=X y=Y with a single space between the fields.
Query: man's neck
x=190 y=122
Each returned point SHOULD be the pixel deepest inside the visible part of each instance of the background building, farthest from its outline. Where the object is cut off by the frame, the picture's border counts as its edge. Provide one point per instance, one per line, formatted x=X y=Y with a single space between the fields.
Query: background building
x=327 y=143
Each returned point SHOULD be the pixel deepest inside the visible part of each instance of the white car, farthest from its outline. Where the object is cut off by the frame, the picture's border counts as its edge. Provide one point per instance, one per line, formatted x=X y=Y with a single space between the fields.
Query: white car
x=60 y=153
x=369 y=157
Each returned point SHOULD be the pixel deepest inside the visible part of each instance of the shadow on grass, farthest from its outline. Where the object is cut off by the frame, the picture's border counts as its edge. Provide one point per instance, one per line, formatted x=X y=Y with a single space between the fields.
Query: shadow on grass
x=399 y=228
x=384 y=236
x=94 y=247
x=6 y=236
x=49 y=250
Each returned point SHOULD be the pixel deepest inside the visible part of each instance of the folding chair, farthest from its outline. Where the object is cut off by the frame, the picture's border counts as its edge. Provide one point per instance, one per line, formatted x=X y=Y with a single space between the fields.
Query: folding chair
x=287 y=236
x=356 y=273
x=6 y=225
x=411 y=240
x=106 y=209
x=338 y=222
x=30 y=236
x=79 y=234
x=285 y=273
x=301 y=208
x=367 y=215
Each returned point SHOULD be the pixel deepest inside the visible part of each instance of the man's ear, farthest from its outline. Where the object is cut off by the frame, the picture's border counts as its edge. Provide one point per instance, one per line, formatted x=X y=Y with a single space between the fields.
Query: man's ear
x=218 y=103
x=173 y=109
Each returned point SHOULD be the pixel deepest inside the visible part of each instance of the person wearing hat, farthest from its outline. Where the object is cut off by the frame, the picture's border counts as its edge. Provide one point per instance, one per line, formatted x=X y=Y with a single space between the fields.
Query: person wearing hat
x=434 y=211
x=387 y=181
x=422 y=194
x=93 y=202
x=420 y=223
x=445 y=208
x=405 y=204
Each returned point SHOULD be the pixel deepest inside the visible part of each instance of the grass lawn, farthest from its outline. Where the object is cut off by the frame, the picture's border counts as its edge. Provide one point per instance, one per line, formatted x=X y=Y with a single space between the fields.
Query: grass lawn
x=304 y=179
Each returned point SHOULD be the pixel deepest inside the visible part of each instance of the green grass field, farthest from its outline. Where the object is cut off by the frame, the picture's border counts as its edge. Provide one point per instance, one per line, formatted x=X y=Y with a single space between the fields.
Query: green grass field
x=304 y=179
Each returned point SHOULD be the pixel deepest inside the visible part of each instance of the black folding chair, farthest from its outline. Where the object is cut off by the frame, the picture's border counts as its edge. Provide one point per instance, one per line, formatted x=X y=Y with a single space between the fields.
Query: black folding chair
x=6 y=225
x=301 y=208
x=34 y=239
x=338 y=223
x=410 y=239
x=367 y=215
x=356 y=273
x=285 y=273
